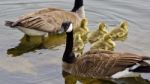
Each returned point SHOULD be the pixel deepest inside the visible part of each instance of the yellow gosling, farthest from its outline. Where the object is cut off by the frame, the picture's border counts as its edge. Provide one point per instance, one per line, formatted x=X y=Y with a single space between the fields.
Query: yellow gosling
x=106 y=43
x=83 y=30
x=99 y=33
x=78 y=45
x=121 y=32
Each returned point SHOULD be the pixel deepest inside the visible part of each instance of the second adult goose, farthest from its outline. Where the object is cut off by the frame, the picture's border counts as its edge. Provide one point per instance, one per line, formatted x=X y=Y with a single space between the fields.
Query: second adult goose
x=48 y=20
x=101 y=64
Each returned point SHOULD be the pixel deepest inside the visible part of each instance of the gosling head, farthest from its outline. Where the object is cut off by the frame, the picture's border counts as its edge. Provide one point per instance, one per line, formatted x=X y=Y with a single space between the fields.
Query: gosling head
x=66 y=27
x=84 y=22
x=107 y=37
x=102 y=26
x=124 y=24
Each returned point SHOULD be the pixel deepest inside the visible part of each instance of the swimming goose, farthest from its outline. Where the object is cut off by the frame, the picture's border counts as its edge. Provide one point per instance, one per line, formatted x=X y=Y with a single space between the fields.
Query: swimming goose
x=83 y=29
x=99 y=33
x=48 y=20
x=101 y=64
x=78 y=45
x=105 y=43
x=120 y=33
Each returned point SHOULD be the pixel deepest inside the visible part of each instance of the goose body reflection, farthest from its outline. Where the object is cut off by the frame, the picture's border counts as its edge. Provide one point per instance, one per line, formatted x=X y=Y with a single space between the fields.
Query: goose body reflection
x=101 y=64
x=35 y=43
x=72 y=79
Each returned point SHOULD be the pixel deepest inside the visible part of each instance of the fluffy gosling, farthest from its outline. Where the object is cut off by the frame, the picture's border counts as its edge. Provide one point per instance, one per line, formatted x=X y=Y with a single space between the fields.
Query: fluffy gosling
x=83 y=30
x=78 y=45
x=120 y=33
x=106 y=43
x=99 y=33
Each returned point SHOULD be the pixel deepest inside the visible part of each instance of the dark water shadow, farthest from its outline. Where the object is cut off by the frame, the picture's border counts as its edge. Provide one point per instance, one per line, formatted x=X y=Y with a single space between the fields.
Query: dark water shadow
x=71 y=79
x=53 y=41
x=30 y=44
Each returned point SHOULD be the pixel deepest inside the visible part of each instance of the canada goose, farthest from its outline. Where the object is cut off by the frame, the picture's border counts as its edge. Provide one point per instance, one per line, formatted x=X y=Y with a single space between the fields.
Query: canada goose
x=99 y=33
x=101 y=64
x=83 y=29
x=120 y=33
x=105 y=43
x=48 y=20
x=78 y=45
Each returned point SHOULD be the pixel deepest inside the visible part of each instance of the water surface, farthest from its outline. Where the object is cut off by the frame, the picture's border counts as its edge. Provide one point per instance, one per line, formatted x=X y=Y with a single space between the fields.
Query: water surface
x=24 y=61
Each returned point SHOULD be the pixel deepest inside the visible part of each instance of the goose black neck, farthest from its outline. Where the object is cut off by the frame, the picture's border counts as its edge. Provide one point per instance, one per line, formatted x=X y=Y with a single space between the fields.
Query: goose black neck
x=77 y=5
x=69 y=56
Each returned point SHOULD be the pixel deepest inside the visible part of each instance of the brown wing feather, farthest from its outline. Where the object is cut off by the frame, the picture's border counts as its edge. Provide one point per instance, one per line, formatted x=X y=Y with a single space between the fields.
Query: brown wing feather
x=103 y=64
x=50 y=21
x=40 y=12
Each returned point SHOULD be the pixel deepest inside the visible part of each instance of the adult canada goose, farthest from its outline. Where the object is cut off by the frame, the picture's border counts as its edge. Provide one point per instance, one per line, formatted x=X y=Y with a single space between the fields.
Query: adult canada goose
x=120 y=33
x=106 y=43
x=78 y=45
x=99 y=33
x=83 y=29
x=100 y=64
x=48 y=20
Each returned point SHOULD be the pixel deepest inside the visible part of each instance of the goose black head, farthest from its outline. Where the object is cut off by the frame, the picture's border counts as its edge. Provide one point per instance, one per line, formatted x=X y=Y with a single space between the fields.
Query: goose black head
x=66 y=27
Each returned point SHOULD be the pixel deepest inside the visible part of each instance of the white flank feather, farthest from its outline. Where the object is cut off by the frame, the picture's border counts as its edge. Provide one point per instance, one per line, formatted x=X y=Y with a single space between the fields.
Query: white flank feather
x=127 y=72
x=31 y=32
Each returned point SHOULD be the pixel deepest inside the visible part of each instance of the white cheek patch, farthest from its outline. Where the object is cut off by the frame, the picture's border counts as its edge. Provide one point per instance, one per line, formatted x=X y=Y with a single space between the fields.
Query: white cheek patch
x=70 y=28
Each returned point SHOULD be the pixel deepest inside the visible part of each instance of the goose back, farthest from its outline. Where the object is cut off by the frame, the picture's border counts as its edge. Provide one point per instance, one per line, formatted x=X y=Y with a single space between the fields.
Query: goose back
x=40 y=12
x=102 y=64
x=50 y=21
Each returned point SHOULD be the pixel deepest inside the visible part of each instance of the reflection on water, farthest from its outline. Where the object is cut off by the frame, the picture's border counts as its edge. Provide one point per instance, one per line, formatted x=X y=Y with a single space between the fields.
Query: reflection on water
x=71 y=79
x=25 y=45
x=53 y=41
x=47 y=65
x=32 y=43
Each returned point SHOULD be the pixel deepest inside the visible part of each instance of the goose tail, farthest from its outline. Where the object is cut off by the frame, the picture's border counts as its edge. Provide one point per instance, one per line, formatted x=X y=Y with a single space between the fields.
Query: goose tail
x=143 y=66
x=142 y=69
x=11 y=24
x=146 y=58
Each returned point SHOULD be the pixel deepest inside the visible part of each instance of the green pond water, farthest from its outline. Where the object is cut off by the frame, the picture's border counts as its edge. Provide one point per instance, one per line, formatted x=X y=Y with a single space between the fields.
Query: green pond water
x=24 y=61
